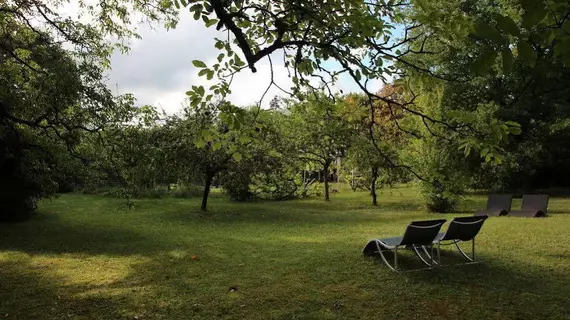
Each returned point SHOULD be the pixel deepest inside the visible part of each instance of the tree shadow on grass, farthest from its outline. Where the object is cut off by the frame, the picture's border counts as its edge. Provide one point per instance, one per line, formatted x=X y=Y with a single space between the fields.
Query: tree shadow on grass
x=28 y=292
x=492 y=289
x=49 y=234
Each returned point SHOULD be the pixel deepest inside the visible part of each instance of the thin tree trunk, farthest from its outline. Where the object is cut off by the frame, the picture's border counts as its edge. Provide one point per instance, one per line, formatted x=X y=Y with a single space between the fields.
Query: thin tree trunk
x=326 y=180
x=373 y=185
x=338 y=170
x=209 y=178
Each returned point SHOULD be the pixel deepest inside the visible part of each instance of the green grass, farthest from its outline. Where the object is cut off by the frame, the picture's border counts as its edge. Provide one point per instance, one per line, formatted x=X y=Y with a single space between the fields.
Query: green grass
x=82 y=258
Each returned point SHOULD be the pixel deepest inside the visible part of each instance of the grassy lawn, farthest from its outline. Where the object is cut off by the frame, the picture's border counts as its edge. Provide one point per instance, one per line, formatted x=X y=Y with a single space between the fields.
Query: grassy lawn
x=82 y=258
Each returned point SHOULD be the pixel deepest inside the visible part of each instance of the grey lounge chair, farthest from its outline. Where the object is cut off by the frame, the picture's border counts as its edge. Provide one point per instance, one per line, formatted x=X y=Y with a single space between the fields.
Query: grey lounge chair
x=533 y=205
x=459 y=230
x=497 y=205
x=419 y=234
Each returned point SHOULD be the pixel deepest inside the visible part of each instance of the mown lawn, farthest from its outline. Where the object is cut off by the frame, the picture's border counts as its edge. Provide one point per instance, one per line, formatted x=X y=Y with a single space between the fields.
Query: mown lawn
x=82 y=258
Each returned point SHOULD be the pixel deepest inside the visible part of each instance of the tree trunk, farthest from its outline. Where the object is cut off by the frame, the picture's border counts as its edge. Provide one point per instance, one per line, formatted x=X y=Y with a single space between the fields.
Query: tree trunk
x=338 y=170
x=209 y=178
x=373 y=185
x=326 y=179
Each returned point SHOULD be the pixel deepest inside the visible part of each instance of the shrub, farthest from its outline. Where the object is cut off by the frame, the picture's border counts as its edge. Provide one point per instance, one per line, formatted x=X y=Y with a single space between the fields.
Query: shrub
x=181 y=190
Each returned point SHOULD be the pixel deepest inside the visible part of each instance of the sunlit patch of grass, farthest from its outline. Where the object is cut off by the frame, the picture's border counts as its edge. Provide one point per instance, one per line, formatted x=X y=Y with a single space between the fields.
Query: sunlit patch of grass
x=84 y=258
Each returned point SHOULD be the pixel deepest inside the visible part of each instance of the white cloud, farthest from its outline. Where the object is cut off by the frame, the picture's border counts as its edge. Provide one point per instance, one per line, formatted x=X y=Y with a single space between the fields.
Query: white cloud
x=158 y=69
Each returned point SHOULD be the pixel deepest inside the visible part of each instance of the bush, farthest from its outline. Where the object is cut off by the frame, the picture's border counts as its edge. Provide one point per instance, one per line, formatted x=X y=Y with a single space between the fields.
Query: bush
x=236 y=185
x=438 y=198
x=442 y=167
x=186 y=191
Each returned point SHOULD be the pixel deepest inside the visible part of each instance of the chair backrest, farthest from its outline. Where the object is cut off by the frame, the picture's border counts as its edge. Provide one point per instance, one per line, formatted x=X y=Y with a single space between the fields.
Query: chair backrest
x=535 y=202
x=422 y=232
x=500 y=202
x=464 y=228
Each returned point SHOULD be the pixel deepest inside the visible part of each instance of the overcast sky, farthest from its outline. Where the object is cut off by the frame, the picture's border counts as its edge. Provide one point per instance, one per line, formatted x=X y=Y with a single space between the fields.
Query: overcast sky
x=158 y=69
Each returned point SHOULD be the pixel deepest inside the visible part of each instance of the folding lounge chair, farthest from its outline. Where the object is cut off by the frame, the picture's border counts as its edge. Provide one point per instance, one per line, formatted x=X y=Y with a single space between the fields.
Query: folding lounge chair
x=533 y=205
x=459 y=230
x=497 y=205
x=419 y=234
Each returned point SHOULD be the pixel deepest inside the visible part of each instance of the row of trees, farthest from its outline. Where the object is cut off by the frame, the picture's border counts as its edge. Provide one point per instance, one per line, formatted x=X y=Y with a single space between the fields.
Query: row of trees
x=256 y=154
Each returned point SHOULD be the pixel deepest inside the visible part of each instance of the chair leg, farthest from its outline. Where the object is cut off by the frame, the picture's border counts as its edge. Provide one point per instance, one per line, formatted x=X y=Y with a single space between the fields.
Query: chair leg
x=381 y=252
x=473 y=249
x=396 y=259
x=463 y=252
x=430 y=257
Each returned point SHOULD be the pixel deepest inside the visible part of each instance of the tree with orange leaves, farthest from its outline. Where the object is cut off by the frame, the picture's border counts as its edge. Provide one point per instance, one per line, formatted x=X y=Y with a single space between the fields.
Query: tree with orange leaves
x=374 y=152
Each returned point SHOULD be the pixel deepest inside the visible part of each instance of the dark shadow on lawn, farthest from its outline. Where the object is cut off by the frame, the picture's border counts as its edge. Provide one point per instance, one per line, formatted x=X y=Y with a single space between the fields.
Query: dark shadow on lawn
x=493 y=289
x=28 y=292
x=49 y=234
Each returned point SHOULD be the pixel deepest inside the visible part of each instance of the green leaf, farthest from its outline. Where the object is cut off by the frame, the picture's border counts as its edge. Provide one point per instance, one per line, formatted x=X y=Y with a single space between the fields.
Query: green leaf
x=200 y=90
x=210 y=23
x=526 y=53
x=507 y=24
x=176 y=4
x=210 y=74
x=202 y=72
x=195 y=102
x=244 y=139
x=534 y=12
x=237 y=156
x=507 y=56
x=484 y=152
x=357 y=75
x=486 y=31
x=245 y=23
x=200 y=143
x=562 y=50
x=482 y=64
x=198 y=64
x=196 y=8
x=515 y=130
x=239 y=62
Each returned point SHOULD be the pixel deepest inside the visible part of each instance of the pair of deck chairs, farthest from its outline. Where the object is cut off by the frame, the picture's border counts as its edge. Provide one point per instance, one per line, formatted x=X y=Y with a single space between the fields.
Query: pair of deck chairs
x=425 y=240
x=533 y=205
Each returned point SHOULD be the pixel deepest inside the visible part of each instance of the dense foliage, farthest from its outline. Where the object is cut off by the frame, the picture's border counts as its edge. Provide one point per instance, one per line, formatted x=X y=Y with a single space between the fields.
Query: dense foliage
x=474 y=95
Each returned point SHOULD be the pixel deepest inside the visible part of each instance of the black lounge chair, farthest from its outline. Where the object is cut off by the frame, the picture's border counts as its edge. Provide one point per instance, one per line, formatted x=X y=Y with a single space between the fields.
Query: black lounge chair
x=497 y=205
x=533 y=205
x=459 y=230
x=419 y=234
